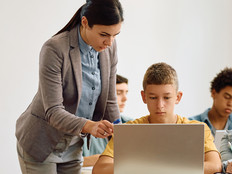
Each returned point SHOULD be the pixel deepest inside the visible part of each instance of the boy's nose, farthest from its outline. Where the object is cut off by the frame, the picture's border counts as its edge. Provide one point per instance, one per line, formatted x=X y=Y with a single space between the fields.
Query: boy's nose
x=160 y=103
x=124 y=98
x=229 y=103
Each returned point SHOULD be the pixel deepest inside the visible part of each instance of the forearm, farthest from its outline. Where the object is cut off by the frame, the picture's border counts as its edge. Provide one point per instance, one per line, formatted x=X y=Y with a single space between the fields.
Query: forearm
x=90 y=160
x=104 y=165
x=211 y=168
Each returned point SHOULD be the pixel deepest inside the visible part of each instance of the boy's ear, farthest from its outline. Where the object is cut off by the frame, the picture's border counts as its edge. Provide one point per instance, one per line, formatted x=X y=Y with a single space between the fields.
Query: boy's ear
x=213 y=92
x=143 y=97
x=179 y=96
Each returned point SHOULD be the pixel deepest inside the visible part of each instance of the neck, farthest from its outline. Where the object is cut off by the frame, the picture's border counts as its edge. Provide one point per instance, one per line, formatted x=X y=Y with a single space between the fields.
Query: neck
x=218 y=121
x=83 y=34
x=172 y=120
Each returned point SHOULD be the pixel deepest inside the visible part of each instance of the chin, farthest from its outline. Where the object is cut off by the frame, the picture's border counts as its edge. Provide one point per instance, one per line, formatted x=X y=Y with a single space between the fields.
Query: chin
x=99 y=50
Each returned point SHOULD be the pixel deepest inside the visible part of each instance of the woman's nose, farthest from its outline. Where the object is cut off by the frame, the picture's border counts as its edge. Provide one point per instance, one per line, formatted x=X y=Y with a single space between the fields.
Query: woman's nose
x=109 y=41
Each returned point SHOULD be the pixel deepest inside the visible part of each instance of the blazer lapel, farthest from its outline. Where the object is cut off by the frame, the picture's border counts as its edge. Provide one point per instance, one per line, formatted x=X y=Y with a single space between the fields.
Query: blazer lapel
x=104 y=68
x=76 y=61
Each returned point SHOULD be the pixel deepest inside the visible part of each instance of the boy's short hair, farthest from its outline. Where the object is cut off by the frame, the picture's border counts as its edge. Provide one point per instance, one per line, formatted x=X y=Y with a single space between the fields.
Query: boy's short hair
x=223 y=79
x=120 y=79
x=160 y=74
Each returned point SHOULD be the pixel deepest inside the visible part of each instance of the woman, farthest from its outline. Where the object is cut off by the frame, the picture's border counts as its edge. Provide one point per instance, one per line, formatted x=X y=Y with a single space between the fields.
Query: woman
x=76 y=94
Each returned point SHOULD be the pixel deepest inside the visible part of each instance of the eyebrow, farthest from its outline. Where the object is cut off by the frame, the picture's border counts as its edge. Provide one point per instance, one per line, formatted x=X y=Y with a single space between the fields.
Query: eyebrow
x=121 y=90
x=167 y=93
x=109 y=34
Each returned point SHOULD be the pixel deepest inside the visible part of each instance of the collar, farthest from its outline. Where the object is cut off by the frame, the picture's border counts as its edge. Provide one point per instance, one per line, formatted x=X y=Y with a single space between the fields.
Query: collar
x=84 y=48
x=204 y=115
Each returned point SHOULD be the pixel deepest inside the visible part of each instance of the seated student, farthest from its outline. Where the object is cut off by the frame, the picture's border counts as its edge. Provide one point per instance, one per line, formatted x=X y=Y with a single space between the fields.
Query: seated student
x=98 y=145
x=219 y=117
x=161 y=93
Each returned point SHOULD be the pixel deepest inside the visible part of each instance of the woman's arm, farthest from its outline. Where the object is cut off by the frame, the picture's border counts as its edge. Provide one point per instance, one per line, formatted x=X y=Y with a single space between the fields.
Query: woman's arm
x=100 y=129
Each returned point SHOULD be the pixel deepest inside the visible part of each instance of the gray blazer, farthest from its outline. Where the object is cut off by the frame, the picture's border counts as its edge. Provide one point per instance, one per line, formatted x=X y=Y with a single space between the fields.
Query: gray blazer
x=51 y=113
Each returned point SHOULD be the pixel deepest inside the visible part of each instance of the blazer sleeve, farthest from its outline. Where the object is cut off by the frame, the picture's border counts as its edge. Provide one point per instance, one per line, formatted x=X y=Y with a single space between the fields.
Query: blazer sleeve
x=51 y=90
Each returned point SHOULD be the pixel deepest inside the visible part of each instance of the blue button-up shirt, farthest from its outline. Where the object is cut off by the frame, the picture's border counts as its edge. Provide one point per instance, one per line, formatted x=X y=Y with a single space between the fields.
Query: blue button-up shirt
x=91 y=79
x=204 y=118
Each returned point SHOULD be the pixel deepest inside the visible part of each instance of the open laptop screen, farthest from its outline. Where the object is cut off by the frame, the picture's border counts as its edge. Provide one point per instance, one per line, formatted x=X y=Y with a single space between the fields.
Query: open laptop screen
x=159 y=148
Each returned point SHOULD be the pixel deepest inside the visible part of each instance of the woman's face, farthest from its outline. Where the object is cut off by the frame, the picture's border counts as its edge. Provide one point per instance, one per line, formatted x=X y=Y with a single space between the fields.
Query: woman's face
x=99 y=36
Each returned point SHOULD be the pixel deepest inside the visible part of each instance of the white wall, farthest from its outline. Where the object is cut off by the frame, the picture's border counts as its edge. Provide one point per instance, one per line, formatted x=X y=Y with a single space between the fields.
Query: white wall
x=193 y=36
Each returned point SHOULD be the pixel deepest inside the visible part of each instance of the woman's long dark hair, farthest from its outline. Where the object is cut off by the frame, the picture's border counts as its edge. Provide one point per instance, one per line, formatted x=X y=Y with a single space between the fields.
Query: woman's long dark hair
x=101 y=12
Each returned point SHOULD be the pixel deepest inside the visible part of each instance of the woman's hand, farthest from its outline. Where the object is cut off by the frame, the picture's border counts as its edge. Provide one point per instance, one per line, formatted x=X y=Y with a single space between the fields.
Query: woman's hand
x=100 y=129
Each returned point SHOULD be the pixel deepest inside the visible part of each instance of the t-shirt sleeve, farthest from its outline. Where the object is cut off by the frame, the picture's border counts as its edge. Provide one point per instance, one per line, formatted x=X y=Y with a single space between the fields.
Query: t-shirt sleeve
x=209 y=144
x=109 y=150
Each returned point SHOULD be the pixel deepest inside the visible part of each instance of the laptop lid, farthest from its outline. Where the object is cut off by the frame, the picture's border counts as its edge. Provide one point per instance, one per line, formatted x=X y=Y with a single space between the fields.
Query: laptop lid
x=159 y=148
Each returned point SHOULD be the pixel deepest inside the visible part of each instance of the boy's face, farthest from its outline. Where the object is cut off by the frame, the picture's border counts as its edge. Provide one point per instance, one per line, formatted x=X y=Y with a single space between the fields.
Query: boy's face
x=222 y=101
x=161 y=100
x=122 y=90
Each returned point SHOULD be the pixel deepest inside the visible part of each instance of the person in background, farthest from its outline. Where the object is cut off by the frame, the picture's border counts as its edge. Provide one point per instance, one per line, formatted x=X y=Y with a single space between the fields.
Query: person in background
x=219 y=116
x=76 y=94
x=121 y=91
x=98 y=145
x=160 y=94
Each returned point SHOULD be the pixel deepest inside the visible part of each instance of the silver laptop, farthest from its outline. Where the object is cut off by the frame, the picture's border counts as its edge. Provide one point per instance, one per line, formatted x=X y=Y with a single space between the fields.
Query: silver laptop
x=159 y=149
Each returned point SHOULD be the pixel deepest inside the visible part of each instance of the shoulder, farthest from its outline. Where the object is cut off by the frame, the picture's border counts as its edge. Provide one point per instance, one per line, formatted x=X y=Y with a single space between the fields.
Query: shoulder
x=196 y=117
x=57 y=42
x=140 y=120
x=200 y=117
x=184 y=120
x=56 y=49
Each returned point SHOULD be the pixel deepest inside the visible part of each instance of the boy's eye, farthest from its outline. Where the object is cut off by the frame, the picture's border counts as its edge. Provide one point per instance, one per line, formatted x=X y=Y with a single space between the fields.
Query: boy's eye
x=153 y=98
x=166 y=98
x=119 y=93
x=227 y=97
x=103 y=35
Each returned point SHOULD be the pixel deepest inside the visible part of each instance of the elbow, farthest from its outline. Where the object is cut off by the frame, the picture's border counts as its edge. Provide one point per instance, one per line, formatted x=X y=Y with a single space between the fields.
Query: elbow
x=104 y=165
x=219 y=168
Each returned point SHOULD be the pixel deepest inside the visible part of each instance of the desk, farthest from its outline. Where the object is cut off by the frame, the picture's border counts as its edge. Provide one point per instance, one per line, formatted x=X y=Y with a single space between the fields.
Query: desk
x=86 y=170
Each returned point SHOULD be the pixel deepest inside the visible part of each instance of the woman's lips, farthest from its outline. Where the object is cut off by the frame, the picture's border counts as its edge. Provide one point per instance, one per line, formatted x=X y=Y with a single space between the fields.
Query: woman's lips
x=102 y=48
